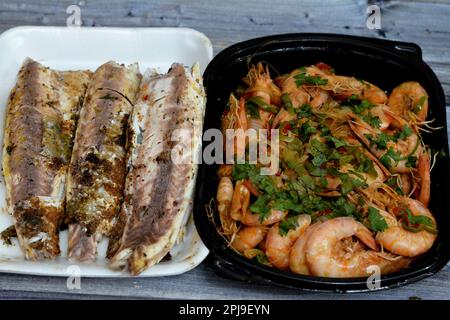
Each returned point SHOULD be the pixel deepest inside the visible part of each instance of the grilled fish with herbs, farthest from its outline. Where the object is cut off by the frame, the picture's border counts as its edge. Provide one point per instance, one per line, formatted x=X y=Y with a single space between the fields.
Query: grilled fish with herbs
x=40 y=123
x=158 y=190
x=98 y=165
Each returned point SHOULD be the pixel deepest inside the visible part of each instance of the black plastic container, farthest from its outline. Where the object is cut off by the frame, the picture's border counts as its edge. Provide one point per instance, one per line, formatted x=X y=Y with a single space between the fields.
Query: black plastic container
x=381 y=62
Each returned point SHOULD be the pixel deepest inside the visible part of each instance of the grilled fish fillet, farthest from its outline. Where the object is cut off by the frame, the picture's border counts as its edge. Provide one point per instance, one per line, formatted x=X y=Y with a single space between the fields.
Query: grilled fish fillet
x=158 y=190
x=98 y=166
x=41 y=118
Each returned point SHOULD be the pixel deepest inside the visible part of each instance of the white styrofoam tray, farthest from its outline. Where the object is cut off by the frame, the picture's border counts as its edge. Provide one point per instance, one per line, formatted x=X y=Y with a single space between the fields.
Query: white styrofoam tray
x=64 y=48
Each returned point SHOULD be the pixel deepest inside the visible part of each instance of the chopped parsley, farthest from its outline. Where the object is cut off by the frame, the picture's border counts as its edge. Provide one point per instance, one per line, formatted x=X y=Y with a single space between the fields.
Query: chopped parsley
x=358 y=106
x=323 y=182
x=380 y=140
x=393 y=183
x=250 y=171
x=417 y=223
x=366 y=166
x=374 y=122
x=389 y=157
x=260 y=257
x=349 y=183
x=308 y=182
x=287 y=103
x=336 y=141
x=402 y=134
x=411 y=162
x=290 y=157
x=364 y=105
x=315 y=171
x=305 y=130
x=260 y=206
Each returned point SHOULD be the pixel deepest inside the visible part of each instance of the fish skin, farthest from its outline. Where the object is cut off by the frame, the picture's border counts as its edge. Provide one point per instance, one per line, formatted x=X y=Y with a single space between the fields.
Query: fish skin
x=43 y=108
x=158 y=191
x=98 y=166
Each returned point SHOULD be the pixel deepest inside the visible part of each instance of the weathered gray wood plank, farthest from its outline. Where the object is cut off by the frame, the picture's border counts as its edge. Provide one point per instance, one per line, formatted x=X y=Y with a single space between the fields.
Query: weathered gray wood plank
x=426 y=23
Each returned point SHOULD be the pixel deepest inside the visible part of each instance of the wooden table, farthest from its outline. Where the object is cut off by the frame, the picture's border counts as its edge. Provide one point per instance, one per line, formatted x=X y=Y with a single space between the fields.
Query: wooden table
x=426 y=23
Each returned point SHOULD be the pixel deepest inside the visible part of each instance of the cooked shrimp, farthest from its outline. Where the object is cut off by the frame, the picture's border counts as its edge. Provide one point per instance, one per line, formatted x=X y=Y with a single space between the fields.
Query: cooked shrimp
x=409 y=98
x=297 y=256
x=278 y=246
x=334 y=182
x=298 y=96
x=225 y=191
x=261 y=85
x=328 y=255
x=236 y=118
x=240 y=201
x=370 y=179
x=346 y=87
x=224 y=197
x=403 y=242
x=248 y=238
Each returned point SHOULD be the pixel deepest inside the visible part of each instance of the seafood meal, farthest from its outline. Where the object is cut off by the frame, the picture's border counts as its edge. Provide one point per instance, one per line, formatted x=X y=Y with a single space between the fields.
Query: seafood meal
x=353 y=182
x=91 y=152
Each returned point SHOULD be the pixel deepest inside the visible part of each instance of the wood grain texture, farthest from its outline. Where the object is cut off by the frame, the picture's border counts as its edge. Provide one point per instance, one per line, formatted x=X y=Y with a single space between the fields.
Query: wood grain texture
x=426 y=23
